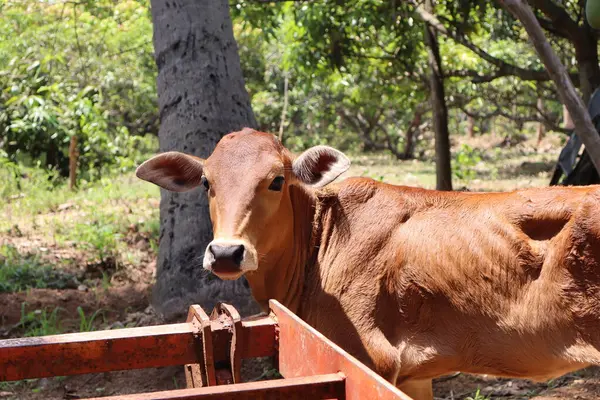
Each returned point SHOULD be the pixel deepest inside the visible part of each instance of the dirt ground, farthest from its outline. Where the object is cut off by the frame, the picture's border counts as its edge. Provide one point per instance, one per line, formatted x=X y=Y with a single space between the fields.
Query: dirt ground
x=583 y=385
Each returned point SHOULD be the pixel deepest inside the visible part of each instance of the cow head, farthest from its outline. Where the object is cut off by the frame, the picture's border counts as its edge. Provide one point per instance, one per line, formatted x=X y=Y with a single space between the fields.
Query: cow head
x=247 y=180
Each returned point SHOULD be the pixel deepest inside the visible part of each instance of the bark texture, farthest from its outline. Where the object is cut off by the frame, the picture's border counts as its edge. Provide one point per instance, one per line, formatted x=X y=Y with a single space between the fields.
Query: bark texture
x=438 y=104
x=201 y=97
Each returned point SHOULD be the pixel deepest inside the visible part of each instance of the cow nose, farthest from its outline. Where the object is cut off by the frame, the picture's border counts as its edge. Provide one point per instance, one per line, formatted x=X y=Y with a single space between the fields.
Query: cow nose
x=234 y=253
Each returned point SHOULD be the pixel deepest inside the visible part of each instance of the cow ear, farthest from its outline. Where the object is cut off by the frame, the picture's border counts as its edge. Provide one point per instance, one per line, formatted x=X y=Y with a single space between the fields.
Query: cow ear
x=320 y=165
x=173 y=171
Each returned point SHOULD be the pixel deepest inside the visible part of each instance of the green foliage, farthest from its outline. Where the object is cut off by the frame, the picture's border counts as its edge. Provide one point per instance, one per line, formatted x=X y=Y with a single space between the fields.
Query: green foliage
x=331 y=95
x=18 y=272
x=86 y=324
x=106 y=280
x=465 y=161
x=18 y=179
x=10 y=174
x=40 y=322
x=42 y=192
x=357 y=75
x=99 y=235
x=358 y=72
x=478 y=396
x=151 y=228
x=82 y=69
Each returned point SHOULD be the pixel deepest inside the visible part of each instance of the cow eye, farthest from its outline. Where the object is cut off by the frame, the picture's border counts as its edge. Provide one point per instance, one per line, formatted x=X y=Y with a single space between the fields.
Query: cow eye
x=205 y=183
x=277 y=184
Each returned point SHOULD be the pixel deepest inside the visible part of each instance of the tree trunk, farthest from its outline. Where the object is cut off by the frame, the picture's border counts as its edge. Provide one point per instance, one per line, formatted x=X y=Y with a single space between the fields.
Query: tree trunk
x=470 y=126
x=567 y=120
x=201 y=97
x=285 y=105
x=413 y=129
x=73 y=158
x=541 y=128
x=491 y=126
x=569 y=97
x=586 y=53
x=518 y=124
x=438 y=105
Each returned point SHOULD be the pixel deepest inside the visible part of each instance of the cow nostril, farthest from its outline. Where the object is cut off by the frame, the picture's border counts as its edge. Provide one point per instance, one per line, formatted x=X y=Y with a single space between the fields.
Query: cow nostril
x=238 y=254
x=233 y=253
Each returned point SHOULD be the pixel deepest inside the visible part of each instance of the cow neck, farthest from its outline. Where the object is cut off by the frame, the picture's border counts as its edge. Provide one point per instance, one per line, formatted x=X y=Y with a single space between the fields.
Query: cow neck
x=286 y=266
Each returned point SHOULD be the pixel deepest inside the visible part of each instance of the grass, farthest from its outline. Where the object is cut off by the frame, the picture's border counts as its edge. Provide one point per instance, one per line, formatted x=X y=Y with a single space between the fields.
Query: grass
x=19 y=272
x=45 y=322
x=269 y=374
x=99 y=236
x=11 y=387
x=40 y=322
x=86 y=324
x=92 y=221
x=479 y=164
x=42 y=192
x=478 y=396
x=100 y=200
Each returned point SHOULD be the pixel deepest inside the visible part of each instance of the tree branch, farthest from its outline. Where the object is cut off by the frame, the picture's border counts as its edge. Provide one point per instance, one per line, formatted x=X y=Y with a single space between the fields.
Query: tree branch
x=503 y=68
x=562 y=23
x=130 y=49
x=498 y=112
x=549 y=26
x=529 y=75
x=581 y=118
x=462 y=102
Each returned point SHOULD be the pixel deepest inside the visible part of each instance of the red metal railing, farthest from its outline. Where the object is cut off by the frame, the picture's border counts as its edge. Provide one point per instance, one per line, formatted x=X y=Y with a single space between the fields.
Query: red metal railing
x=212 y=349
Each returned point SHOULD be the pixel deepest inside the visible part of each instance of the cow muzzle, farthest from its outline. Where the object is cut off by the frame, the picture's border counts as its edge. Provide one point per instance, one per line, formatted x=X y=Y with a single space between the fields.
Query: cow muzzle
x=229 y=259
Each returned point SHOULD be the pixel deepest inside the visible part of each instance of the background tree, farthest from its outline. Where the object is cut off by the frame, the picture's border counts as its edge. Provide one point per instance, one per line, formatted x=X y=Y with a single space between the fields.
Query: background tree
x=357 y=74
x=438 y=105
x=355 y=54
x=577 y=109
x=201 y=97
x=79 y=70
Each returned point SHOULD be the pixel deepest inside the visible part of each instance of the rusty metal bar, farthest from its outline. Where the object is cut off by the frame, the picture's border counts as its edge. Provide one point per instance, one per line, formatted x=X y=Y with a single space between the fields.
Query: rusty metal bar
x=329 y=386
x=303 y=351
x=259 y=337
x=203 y=372
x=228 y=315
x=133 y=348
x=101 y=351
x=212 y=349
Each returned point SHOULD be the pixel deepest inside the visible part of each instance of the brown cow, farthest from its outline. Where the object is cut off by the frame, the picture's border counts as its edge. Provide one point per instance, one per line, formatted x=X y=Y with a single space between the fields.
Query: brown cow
x=415 y=283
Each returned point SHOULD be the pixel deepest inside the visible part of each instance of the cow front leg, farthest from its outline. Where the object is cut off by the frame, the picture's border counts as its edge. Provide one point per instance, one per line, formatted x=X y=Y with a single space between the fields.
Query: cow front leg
x=418 y=390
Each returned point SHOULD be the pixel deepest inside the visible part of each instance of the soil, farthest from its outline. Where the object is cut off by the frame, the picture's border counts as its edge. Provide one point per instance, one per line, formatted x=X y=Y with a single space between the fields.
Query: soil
x=583 y=385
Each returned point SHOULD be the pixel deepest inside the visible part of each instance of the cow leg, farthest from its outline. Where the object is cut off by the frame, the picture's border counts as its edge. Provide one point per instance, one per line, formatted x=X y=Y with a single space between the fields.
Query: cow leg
x=418 y=390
